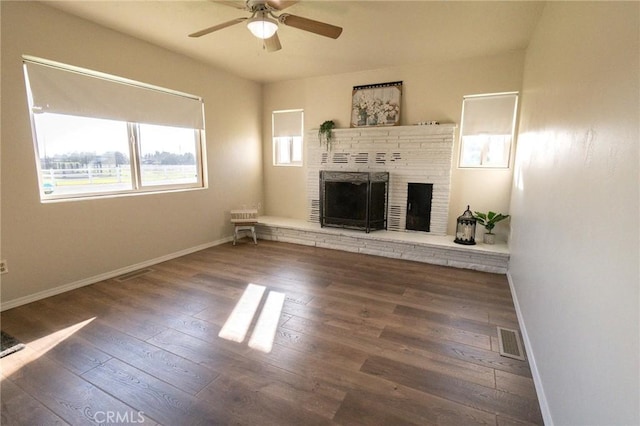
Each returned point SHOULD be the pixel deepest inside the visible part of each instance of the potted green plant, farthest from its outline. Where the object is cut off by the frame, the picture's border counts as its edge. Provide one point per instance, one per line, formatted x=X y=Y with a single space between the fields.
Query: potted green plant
x=325 y=133
x=489 y=220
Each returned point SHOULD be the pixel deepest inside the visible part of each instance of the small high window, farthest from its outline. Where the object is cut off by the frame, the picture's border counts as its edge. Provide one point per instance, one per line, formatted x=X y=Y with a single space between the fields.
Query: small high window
x=97 y=134
x=287 y=137
x=487 y=129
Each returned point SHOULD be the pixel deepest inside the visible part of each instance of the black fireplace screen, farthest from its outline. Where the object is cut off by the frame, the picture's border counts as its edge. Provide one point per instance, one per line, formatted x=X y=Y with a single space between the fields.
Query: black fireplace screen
x=356 y=200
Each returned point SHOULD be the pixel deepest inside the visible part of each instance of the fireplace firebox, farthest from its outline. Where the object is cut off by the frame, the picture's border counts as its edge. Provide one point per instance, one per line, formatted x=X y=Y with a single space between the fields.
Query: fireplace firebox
x=419 y=197
x=355 y=200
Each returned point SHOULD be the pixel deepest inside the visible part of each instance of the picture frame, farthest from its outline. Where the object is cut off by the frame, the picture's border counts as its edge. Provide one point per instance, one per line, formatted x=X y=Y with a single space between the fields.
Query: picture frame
x=376 y=104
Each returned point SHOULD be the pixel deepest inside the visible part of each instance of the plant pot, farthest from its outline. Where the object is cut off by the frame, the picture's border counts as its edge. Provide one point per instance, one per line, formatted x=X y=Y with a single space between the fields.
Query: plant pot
x=489 y=238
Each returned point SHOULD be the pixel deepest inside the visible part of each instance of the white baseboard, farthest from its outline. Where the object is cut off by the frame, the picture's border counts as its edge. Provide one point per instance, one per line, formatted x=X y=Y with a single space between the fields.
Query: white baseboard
x=537 y=381
x=107 y=275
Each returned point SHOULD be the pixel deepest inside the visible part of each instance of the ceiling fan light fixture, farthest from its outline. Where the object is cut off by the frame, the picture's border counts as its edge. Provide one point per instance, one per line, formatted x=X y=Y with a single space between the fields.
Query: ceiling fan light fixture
x=262 y=26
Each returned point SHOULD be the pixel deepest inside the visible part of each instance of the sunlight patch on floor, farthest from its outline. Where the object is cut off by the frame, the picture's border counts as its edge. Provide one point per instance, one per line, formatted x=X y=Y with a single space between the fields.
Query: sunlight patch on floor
x=35 y=349
x=265 y=329
x=238 y=323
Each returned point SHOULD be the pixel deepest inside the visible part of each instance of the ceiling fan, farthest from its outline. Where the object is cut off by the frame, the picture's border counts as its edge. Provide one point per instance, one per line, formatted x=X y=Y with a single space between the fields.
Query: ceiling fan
x=263 y=22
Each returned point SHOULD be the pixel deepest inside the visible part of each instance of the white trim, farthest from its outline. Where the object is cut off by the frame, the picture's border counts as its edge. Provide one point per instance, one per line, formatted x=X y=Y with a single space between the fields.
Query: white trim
x=288 y=110
x=537 y=380
x=486 y=95
x=107 y=275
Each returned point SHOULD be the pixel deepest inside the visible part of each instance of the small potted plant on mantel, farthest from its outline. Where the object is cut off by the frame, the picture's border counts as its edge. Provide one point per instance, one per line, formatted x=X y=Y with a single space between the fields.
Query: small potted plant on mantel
x=489 y=220
x=325 y=133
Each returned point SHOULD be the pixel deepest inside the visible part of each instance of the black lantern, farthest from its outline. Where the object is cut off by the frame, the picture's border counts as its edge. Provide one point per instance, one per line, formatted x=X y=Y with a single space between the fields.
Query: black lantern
x=466 y=229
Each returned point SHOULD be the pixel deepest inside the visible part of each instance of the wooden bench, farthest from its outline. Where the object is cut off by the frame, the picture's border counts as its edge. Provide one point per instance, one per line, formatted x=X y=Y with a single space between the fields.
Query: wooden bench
x=244 y=220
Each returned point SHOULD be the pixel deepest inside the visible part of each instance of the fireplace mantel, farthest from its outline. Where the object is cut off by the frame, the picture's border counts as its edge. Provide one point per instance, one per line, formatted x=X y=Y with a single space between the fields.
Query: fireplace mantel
x=435 y=129
x=411 y=154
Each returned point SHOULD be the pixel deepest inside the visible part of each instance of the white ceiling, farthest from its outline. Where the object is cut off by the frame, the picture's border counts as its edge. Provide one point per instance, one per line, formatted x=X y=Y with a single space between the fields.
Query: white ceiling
x=377 y=34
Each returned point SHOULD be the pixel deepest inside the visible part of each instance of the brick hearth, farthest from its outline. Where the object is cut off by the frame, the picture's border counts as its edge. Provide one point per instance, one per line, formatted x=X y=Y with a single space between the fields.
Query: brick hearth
x=415 y=246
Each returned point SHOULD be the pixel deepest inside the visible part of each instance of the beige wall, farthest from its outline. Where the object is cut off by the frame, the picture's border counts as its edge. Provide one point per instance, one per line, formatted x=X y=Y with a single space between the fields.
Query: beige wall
x=575 y=237
x=53 y=245
x=430 y=92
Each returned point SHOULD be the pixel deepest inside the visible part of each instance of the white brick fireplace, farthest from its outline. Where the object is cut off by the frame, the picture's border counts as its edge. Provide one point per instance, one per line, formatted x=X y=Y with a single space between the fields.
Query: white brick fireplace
x=411 y=154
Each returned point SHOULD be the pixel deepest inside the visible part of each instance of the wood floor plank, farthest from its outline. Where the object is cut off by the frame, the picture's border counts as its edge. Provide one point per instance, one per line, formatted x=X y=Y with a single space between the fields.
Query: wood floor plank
x=37 y=320
x=402 y=353
x=491 y=288
x=314 y=395
x=185 y=374
x=506 y=421
x=69 y=396
x=355 y=304
x=448 y=319
x=463 y=310
x=77 y=355
x=251 y=406
x=359 y=323
x=515 y=384
x=213 y=356
x=462 y=352
x=470 y=394
x=157 y=399
x=20 y=408
x=93 y=302
x=356 y=410
x=468 y=308
x=161 y=290
x=220 y=285
x=372 y=315
x=359 y=407
x=329 y=351
x=360 y=340
x=380 y=389
x=437 y=330
x=259 y=370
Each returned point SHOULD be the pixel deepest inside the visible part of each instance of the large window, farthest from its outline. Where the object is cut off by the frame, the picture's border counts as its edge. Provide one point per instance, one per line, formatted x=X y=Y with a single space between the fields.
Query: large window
x=486 y=133
x=97 y=134
x=287 y=137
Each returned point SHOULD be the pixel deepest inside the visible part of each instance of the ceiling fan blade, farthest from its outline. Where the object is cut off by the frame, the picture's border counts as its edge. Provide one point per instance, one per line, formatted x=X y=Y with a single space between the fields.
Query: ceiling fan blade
x=239 y=4
x=310 y=25
x=281 y=4
x=273 y=43
x=217 y=27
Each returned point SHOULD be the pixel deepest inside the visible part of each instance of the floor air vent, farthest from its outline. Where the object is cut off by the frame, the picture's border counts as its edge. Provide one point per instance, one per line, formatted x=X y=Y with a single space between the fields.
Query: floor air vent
x=134 y=274
x=510 y=344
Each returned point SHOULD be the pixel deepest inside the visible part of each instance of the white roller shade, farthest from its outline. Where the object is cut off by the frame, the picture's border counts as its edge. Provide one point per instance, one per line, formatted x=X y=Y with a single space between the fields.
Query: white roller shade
x=61 y=89
x=287 y=123
x=491 y=115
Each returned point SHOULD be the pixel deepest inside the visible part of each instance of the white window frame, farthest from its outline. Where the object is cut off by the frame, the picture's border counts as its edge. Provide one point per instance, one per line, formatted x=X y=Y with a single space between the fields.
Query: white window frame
x=133 y=142
x=293 y=142
x=487 y=141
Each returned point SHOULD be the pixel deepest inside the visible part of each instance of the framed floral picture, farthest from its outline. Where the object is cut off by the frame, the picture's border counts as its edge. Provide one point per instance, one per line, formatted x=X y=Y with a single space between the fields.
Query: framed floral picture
x=376 y=104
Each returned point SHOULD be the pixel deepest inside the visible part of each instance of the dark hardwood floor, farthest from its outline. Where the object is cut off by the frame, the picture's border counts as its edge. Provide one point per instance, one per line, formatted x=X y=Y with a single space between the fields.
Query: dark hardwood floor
x=361 y=340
